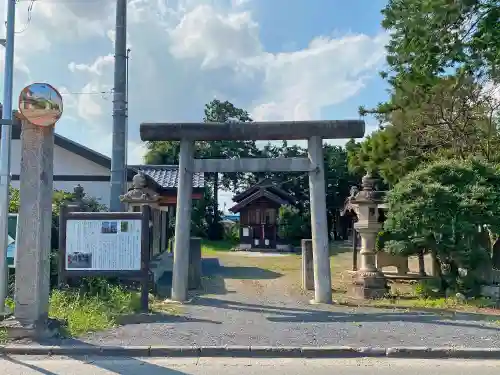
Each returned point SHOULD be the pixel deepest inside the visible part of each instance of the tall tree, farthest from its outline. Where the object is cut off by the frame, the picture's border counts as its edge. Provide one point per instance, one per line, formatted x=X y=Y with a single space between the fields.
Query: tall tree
x=432 y=38
x=217 y=111
x=442 y=59
x=167 y=153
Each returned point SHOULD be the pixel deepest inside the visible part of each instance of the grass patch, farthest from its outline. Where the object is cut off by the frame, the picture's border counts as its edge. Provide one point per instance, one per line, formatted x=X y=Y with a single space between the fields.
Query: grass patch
x=212 y=247
x=85 y=313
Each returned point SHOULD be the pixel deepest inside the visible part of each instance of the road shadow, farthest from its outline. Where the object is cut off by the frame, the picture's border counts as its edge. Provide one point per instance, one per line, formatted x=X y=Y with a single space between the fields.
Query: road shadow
x=215 y=274
x=278 y=314
x=212 y=266
x=116 y=365
x=158 y=317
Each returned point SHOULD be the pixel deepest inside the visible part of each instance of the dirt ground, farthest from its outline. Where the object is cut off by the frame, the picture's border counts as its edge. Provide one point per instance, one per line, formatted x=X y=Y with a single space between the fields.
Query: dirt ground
x=260 y=271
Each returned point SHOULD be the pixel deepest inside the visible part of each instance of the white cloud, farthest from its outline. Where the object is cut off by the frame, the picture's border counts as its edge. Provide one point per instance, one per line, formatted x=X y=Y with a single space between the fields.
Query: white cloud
x=218 y=39
x=184 y=53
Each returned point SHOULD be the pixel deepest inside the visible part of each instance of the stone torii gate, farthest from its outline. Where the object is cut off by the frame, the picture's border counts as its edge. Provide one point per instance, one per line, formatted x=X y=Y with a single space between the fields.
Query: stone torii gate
x=312 y=131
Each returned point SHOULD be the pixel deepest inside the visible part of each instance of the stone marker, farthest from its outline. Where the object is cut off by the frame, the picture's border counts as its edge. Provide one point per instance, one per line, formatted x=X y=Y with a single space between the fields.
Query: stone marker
x=307 y=265
x=35 y=222
x=194 y=277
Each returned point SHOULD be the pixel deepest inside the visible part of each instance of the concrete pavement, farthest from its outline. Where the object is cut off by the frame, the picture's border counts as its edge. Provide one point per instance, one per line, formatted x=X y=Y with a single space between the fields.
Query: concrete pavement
x=210 y=366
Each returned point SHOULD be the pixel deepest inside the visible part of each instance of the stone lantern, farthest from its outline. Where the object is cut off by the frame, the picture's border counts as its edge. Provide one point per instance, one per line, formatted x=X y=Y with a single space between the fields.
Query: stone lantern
x=139 y=194
x=368 y=282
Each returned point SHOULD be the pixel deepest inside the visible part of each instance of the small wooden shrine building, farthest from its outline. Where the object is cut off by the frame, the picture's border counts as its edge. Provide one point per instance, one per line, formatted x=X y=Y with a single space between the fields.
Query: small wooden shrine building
x=259 y=209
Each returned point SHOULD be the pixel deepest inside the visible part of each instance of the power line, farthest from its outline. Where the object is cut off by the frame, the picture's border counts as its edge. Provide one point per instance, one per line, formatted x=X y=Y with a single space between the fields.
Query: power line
x=30 y=12
x=89 y=93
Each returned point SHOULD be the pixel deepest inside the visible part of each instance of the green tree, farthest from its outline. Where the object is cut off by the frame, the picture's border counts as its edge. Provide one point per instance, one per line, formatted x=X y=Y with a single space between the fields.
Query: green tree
x=218 y=112
x=458 y=118
x=432 y=38
x=442 y=67
x=440 y=209
x=167 y=153
x=338 y=180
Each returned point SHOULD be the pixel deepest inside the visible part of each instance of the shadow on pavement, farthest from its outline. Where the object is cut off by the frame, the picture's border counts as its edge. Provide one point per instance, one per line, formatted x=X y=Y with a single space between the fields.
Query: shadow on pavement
x=158 y=317
x=215 y=274
x=280 y=314
x=212 y=266
x=122 y=366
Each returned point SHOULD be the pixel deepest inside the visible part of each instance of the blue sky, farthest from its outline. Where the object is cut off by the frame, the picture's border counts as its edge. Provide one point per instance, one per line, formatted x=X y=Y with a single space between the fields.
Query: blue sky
x=290 y=25
x=279 y=59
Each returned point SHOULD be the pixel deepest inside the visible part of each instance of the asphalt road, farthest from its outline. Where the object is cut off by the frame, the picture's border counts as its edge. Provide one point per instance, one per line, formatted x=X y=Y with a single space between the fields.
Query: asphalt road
x=215 y=366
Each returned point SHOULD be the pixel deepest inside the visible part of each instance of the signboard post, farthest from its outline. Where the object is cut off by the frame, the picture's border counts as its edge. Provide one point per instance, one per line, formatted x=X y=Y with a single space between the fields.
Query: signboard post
x=109 y=244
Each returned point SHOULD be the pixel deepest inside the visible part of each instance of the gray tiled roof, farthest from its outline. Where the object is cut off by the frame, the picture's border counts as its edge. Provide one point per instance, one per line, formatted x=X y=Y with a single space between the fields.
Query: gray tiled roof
x=168 y=176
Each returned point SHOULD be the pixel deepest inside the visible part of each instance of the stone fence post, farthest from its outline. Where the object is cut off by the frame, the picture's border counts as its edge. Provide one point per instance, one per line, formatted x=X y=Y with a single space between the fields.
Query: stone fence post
x=307 y=265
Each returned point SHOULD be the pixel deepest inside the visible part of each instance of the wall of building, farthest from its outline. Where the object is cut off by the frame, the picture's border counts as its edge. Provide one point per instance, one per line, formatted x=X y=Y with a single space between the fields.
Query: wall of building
x=65 y=163
x=70 y=170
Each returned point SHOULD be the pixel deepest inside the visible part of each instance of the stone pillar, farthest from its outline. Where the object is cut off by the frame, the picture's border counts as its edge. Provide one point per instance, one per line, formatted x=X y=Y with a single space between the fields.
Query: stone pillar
x=156 y=231
x=354 y=249
x=321 y=251
x=164 y=223
x=307 y=265
x=368 y=281
x=183 y=222
x=421 y=264
x=194 y=263
x=35 y=224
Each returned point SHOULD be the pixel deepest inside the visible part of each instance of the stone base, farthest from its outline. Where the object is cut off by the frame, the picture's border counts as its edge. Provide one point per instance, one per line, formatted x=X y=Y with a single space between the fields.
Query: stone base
x=368 y=285
x=491 y=291
x=18 y=331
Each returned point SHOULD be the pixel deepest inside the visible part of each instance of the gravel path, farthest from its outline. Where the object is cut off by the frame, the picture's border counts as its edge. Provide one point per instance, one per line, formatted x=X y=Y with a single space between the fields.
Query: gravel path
x=256 y=312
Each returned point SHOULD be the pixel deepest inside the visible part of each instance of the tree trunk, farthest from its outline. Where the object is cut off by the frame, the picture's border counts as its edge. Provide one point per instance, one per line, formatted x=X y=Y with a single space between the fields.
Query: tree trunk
x=439 y=272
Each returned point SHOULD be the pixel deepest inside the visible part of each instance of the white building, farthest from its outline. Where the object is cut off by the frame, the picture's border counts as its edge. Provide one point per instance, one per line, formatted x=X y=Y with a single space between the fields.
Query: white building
x=76 y=164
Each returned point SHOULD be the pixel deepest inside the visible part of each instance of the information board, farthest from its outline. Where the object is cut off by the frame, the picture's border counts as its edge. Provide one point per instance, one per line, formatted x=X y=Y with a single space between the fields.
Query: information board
x=103 y=245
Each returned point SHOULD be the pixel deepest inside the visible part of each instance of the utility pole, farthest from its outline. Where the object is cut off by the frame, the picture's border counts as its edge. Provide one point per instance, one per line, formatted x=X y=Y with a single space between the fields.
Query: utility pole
x=5 y=146
x=118 y=156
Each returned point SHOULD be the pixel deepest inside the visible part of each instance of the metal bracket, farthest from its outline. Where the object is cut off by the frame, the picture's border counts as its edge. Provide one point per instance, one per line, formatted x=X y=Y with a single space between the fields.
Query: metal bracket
x=6 y=122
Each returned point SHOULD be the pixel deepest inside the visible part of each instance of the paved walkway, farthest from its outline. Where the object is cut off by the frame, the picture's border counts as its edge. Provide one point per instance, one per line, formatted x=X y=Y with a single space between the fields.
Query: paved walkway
x=254 y=311
x=211 y=366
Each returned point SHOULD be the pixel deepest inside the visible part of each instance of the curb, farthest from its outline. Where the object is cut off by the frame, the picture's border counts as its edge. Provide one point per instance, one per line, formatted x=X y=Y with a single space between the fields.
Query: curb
x=253 y=351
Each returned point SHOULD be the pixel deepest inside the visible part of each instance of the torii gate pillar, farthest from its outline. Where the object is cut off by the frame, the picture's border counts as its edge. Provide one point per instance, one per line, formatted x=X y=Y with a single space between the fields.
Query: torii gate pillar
x=313 y=131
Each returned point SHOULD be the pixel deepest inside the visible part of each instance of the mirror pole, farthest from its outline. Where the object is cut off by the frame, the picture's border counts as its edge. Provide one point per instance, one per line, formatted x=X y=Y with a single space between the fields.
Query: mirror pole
x=5 y=151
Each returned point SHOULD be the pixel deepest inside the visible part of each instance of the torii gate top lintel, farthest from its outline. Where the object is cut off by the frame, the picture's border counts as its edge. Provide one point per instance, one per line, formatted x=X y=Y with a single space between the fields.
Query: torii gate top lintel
x=257 y=131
